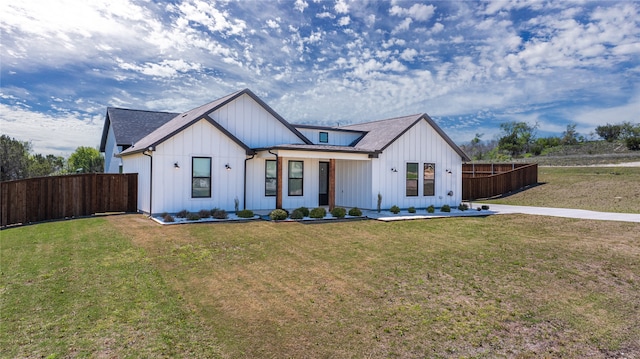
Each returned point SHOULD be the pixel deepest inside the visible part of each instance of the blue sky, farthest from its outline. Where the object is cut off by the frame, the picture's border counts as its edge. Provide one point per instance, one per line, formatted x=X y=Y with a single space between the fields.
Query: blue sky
x=471 y=65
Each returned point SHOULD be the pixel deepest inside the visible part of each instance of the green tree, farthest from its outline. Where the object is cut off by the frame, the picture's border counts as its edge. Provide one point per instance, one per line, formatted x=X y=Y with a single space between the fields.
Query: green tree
x=631 y=135
x=609 y=132
x=40 y=165
x=14 y=158
x=517 y=137
x=86 y=160
x=570 y=136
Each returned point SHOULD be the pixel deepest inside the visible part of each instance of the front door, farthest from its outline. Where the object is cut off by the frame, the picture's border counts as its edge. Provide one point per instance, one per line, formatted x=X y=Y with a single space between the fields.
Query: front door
x=323 y=190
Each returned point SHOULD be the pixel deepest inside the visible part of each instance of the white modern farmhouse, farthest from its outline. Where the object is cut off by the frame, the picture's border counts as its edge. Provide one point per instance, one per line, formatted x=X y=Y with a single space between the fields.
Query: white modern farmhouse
x=237 y=148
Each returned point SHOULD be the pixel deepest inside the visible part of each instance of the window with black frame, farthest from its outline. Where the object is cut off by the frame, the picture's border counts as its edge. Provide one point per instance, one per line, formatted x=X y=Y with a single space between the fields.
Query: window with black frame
x=270 y=178
x=429 y=179
x=412 y=179
x=201 y=177
x=296 y=174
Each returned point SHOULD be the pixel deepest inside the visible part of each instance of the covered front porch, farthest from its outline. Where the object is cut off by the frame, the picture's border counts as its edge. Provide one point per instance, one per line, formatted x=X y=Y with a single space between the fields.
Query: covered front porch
x=297 y=178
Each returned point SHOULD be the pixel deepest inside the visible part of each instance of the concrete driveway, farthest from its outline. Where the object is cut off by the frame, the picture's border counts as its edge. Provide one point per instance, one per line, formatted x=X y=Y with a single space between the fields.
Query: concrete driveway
x=565 y=212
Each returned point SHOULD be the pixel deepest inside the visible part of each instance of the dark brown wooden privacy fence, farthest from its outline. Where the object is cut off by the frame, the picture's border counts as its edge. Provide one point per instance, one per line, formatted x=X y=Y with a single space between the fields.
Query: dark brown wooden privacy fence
x=486 y=180
x=58 y=197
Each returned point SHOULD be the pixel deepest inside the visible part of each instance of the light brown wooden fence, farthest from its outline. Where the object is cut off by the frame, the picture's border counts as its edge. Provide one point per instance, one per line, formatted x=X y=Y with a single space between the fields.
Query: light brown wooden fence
x=486 y=180
x=57 y=197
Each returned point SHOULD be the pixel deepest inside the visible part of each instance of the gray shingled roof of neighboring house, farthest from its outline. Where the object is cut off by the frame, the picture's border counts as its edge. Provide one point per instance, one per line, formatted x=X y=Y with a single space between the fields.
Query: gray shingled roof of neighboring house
x=129 y=126
x=186 y=119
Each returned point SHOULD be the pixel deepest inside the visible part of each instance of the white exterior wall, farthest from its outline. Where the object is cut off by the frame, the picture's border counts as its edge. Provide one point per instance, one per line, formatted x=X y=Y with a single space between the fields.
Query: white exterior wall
x=353 y=183
x=172 y=186
x=421 y=144
x=139 y=163
x=337 y=138
x=252 y=124
x=111 y=163
x=256 y=198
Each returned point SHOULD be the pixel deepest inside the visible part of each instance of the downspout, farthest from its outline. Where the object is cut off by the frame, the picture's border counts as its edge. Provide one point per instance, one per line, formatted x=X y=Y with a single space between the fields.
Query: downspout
x=244 y=195
x=150 y=150
x=277 y=176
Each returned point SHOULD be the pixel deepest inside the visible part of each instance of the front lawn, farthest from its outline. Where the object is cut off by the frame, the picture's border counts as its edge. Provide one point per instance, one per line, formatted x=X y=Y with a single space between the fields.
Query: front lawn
x=607 y=189
x=501 y=286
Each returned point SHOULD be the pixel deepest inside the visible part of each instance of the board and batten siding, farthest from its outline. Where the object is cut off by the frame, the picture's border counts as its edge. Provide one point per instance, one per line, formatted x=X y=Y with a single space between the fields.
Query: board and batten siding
x=256 y=174
x=336 y=138
x=252 y=124
x=420 y=144
x=353 y=183
x=172 y=186
x=140 y=164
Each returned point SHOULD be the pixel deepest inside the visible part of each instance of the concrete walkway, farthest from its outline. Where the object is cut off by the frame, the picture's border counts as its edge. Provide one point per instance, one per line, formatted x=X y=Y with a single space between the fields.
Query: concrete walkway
x=565 y=212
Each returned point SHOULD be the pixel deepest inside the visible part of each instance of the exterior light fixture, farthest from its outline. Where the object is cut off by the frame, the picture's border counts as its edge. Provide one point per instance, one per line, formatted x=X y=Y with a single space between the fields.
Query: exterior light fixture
x=393 y=169
x=227 y=167
x=448 y=172
x=176 y=165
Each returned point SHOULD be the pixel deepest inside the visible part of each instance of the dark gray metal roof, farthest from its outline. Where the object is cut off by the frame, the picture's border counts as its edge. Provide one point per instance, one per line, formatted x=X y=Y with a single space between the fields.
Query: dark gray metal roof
x=186 y=119
x=129 y=126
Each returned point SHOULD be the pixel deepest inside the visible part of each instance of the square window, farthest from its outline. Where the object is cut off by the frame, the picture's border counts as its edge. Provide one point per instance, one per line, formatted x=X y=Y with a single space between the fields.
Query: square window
x=324 y=137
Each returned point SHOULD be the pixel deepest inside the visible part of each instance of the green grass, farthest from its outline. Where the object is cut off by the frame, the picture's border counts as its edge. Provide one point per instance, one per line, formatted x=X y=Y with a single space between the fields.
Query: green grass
x=608 y=189
x=81 y=289
x=501 y=286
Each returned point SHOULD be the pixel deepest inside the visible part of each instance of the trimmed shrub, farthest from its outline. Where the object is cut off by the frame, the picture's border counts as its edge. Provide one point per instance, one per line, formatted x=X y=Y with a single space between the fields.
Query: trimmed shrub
x=431 y=209
x=411 y=209
x=219 y=213
x=193 y=217
x=297 y=214
x=485 y=207
x=445 y=208
x=204 y=213
x=318 y=213
x=182 y=214
x=278 y=215
x=394 y=209
x=355 y=212
x=463 y=207
x=339 y=212
x=245 y=213
x=167 y=218
x=304 y=210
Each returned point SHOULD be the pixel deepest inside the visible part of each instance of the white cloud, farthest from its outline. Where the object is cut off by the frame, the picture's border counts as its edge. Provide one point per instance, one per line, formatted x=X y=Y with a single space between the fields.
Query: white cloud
x=273 y=24
x=344 y=21
x=408 y=54
x=402 y=26
x=437 y=27
x=165 y=68
x=417 y=12
x=341 y=7
x=325 y=15
x=300 y=5
x=59 y=135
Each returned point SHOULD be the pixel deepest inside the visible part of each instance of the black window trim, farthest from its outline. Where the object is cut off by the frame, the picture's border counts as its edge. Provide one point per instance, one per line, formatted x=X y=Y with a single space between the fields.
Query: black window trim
x=295 y=178
x=267 y=178
x=326 y=137
x=424 y=193
x=406 y=192
x=194 y=177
